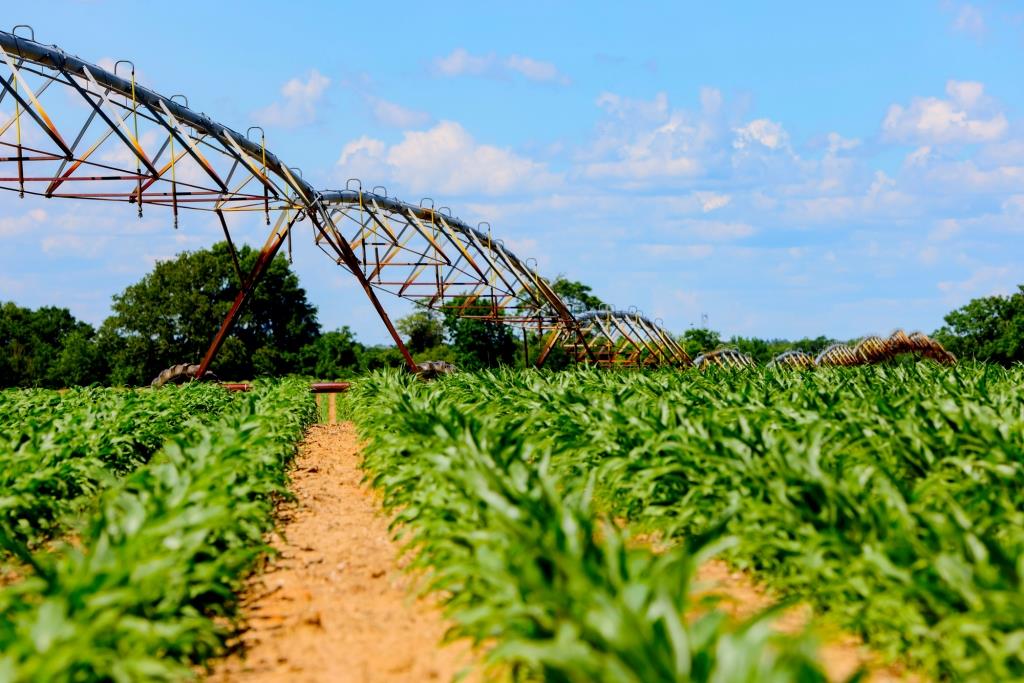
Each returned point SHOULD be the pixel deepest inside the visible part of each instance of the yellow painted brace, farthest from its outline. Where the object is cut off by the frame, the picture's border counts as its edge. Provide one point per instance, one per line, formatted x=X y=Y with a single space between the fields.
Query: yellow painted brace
x=174 y=181
x=17 y=123
x=266 y=190
x=135 y=123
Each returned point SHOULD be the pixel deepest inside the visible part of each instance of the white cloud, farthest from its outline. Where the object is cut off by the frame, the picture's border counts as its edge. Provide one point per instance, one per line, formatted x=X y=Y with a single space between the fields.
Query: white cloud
x=966 y=116
x=763 y=132
x=919 y=157
x=947 y=228
x=709 y=201
x=17 y=225
x=969 y=20
x=642 y=164
x=364 y=145
x=536 y=70
x=461 y=62
x=1014 y=205
x=299 y=104
x=644 y=140
x=837 y=143
x=445 y=159
x=395 y=115
x=967 y=176
x=985 y=280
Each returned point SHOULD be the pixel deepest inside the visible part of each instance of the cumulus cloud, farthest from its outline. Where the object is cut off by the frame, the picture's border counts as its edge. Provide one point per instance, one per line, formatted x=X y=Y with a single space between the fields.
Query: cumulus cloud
x=461 y=62
x=445 y=159
x=644 y=140
x=298 y=105
x=965 y=116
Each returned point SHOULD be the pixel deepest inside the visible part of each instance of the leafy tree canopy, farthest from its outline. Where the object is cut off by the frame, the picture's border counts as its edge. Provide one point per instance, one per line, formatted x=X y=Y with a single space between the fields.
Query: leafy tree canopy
x=477 y=343
x=576 y=295
x=698 y=340
x=47 y=347
x=334 y=355
x=423 y=330
x=990 y=328
x=171 y=314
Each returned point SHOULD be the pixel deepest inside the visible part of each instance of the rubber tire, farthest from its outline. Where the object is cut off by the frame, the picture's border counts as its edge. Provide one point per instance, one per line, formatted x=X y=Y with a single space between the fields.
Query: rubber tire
x=179 y=374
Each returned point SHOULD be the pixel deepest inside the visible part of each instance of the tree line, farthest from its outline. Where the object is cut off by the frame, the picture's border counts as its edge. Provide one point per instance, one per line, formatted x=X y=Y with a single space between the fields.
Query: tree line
x=170 y=315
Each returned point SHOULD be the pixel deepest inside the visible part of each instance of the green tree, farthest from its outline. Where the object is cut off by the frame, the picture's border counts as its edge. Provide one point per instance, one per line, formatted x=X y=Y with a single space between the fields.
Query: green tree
x=477 y=343
x=765 y=350
x=46 y=347
x=79 y=361
x=990 y=328
x=761 y=350
x=171 y=315
x=576 y=295
x=698 y=340
x=810 y=345
x=334 y=355
x=376 y=357
x=423 y=330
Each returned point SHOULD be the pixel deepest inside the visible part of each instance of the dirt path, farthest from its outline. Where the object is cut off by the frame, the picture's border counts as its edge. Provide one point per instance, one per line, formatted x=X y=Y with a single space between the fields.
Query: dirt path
x=334 y=605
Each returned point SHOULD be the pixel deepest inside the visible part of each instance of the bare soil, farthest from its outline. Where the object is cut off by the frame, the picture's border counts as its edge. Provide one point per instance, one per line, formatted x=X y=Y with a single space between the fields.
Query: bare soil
x=335 y=605
x=840 y=653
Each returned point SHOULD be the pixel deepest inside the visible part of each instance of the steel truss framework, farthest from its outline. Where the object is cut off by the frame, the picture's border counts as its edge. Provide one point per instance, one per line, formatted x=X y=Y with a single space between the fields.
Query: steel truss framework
x=72 y=129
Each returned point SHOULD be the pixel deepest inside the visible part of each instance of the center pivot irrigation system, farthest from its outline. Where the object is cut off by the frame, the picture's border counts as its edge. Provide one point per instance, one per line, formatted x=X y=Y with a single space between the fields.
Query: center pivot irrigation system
x=102 y=136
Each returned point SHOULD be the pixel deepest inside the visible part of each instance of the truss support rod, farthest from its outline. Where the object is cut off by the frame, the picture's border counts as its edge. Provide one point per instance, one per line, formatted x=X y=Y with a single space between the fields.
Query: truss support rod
x=352 y=263
x=556 y=334
x=267 y=255
x=568 y=319
x=231 y=246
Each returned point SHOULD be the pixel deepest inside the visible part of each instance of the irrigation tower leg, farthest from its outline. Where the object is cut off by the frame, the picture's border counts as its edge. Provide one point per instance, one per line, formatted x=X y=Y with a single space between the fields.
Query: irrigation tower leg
x=556 y=334
x=267 y=255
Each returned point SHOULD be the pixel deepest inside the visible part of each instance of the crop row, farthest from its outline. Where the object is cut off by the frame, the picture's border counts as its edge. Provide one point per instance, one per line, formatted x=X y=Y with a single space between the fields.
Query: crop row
x=529 y=568
x=151 y=586
x=57 y=450
x=891 y=498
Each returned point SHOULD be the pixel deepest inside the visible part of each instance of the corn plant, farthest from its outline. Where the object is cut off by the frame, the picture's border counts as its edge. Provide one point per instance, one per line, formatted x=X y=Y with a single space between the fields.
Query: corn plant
x=57 y=450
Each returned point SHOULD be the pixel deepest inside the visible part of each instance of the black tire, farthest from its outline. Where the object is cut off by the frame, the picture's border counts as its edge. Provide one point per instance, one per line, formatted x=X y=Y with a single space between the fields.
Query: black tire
x=434 y=368
x=179 y=374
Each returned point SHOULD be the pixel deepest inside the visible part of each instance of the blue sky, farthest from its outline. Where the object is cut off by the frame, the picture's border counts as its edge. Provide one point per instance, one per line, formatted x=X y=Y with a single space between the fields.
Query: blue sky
x=786 y=168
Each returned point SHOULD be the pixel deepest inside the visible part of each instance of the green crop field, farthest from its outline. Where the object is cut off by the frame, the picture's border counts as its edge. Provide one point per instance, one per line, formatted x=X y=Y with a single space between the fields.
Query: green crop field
x=166 y=497
x=890 y=497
